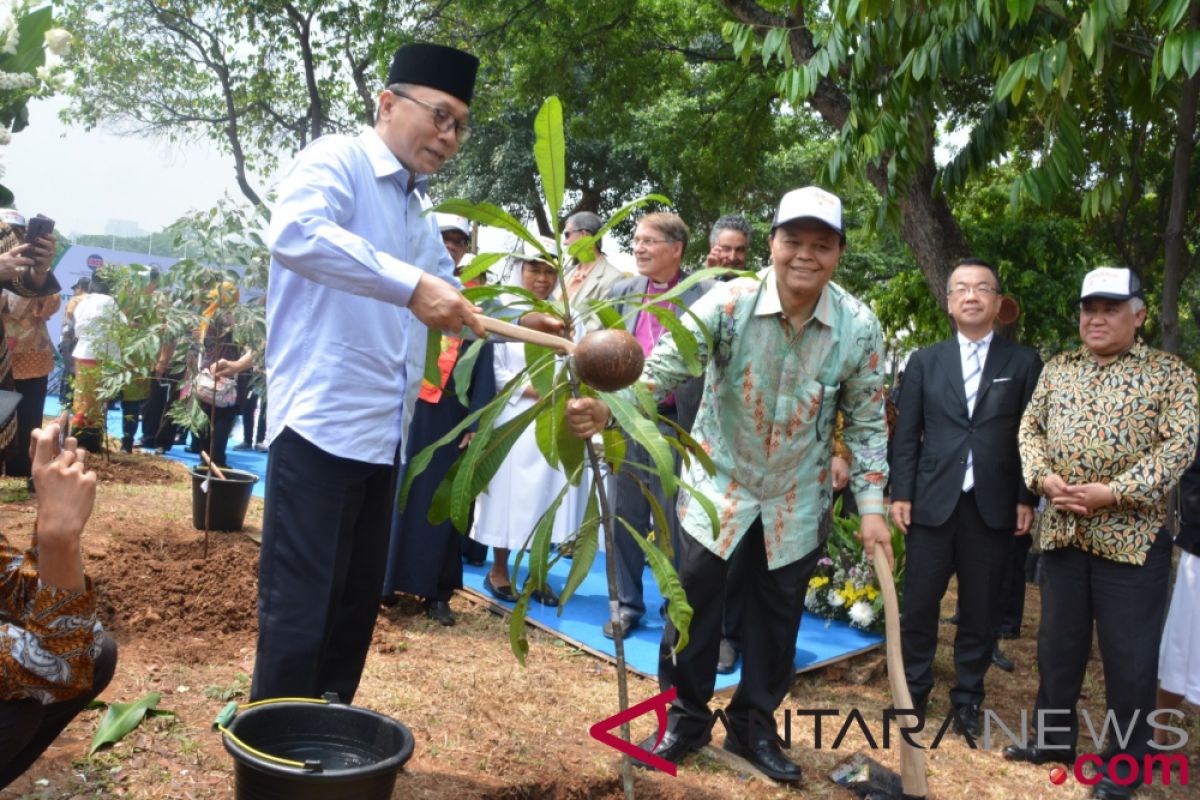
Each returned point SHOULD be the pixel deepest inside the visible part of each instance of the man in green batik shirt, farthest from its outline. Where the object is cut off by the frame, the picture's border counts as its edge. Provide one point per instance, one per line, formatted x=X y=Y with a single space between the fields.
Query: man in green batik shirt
x=1110 y=428
x=789 y=350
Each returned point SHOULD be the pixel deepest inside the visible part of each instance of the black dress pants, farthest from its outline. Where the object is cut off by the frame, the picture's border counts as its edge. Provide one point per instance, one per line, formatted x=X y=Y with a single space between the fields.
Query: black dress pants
x=1012 y=590
x=964 y=546
x=1126 y=604
x=27 y=727
x=633 y=506
x=157 y=428
x=774 y=603
x=324 y=552
x=29 y=416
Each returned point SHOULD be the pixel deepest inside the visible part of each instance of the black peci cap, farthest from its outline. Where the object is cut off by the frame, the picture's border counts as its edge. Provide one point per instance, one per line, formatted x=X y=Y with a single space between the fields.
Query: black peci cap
x=436 y=66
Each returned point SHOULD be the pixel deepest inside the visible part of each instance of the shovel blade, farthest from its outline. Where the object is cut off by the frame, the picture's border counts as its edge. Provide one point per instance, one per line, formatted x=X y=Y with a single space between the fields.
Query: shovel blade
x=868 y=779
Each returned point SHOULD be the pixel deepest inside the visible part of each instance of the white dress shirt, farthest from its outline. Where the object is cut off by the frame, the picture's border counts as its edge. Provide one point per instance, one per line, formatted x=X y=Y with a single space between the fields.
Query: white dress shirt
x=349 y=242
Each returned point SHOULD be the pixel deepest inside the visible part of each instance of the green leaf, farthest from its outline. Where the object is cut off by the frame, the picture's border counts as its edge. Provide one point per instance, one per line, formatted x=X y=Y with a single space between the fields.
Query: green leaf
x=516 y=624
x=121 y=718
x=1173 y=14
x=549 y=426
x=685 y=342
x=614 y=447
x=693 y=446
x=586 y=545
x=678 y=608
x=538 y=543
x=549 y=150
x=481 y=264
x=433 y=351
x=624 y=211
x=463 y=369
x=707 y=505
x=489 y=214
x=540 y=363
x=647 y=435
x=1172 y=55
x=31 y=34
x=1190 y=52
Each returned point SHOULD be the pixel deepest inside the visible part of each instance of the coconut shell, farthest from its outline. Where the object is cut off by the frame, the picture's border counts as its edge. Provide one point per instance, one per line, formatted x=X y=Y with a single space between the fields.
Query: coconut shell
x=609 y=360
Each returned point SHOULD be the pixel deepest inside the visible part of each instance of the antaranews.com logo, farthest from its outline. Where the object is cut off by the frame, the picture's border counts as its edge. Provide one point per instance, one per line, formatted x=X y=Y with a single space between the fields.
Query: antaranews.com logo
x=1165 y=766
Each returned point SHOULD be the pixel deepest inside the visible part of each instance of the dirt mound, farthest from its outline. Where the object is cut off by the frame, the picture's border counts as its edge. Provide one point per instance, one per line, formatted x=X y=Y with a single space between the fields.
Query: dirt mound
x=138 y=469
x=153 y=577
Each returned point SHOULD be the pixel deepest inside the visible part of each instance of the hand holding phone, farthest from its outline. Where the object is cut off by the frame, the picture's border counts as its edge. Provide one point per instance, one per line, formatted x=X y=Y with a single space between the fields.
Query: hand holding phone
x=38 y=227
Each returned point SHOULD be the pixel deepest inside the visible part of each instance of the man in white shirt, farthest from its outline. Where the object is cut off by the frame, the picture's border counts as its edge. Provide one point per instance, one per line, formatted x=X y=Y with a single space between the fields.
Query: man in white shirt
x=355 y=261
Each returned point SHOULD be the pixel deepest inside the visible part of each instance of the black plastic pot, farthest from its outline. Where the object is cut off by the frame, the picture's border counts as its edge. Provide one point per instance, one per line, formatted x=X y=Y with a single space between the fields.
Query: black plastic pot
x=229 y=501
x=341 y=752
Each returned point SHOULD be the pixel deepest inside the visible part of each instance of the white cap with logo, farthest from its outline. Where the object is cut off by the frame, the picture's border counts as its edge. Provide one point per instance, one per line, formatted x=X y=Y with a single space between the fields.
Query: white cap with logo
x=811 y=202
x=12 y=218
x=1111 y=283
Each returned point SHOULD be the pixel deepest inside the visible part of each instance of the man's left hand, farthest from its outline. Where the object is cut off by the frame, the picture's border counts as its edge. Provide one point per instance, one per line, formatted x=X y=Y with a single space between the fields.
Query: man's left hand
x=1085 y=498
x=874 y=530
x=1024 y=519
x=839 y=471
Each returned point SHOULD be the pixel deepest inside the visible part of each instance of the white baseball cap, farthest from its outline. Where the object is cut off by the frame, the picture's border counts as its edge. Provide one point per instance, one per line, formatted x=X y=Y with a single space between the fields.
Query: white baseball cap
x=453 y=222
x=1111 y=283
x=811 y=202
x=12 y=217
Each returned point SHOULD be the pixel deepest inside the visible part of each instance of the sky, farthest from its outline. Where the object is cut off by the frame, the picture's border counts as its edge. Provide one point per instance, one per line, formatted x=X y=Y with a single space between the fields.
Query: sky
x=84 y=179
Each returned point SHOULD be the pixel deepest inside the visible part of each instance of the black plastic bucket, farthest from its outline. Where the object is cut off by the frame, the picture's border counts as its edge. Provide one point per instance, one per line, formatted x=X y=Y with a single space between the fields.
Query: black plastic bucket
x=348 y=753
x=230 y=499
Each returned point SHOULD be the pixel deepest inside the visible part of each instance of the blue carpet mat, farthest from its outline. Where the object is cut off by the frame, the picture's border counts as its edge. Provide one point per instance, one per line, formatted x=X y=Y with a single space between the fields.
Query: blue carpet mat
x=247 y=460
x=819 y=642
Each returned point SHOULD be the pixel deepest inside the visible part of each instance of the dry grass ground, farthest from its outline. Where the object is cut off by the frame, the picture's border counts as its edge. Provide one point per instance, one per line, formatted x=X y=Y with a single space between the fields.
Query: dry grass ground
x=485 y=727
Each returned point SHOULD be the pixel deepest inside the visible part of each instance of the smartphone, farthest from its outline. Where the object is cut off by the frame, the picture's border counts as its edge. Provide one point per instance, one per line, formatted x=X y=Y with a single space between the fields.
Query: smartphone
x=37 y=227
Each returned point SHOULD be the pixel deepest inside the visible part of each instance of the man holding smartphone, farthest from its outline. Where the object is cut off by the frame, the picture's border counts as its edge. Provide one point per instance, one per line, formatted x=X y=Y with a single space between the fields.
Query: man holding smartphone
x=25 y=262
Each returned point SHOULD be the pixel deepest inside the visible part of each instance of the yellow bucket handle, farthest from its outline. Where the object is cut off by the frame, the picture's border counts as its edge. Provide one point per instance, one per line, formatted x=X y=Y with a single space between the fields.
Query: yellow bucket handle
x=231 y=710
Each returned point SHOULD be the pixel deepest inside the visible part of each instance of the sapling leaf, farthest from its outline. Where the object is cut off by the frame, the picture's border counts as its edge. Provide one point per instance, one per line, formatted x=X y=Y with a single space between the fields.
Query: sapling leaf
x=549 y=151
x=647 y=435
x=488 y=214
x=121 y=718
x=463 y=369
x=678 y=608
x=586 y=544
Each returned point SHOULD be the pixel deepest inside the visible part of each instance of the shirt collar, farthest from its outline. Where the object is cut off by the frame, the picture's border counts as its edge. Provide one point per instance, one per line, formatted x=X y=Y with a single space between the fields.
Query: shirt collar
x=769 y=303
x=384 y=162
x=984 y=342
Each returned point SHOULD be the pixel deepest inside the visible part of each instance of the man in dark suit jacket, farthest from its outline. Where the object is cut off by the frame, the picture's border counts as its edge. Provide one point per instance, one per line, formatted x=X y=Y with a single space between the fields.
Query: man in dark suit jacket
x=658 y=246
x=957 y=489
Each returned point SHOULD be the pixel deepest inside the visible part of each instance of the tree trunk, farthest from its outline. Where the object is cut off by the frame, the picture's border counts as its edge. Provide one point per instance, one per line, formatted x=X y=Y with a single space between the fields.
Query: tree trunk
x=1176 y=256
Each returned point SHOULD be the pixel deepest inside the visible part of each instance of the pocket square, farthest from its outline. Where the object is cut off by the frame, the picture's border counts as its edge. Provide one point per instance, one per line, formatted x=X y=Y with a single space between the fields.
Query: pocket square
x=1001 y=380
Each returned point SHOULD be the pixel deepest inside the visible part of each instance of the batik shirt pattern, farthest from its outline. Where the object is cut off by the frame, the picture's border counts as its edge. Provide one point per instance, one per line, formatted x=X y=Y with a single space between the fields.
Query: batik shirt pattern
x=767 y=413
x=48 y=636
x=1131 y=424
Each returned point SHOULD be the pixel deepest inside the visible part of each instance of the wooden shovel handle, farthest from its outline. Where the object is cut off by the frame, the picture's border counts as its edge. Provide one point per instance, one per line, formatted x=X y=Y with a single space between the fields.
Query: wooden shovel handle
x=528 y=335
x=215 y=469
x=912 y=759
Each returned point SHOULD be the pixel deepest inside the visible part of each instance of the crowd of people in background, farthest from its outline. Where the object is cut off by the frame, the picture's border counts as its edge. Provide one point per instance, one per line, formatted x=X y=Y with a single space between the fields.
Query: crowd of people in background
x=985 y=449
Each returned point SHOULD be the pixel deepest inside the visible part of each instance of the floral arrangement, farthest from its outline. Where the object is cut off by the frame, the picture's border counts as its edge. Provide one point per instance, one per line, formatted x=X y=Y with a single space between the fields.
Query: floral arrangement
x=844 y=585
x=30 y=66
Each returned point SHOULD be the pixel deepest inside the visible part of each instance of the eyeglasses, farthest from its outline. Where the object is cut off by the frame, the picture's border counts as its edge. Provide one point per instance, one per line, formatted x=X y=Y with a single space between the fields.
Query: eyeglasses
x=580 y=231
x=982 y=290
x=640 y=241
x=443 y=120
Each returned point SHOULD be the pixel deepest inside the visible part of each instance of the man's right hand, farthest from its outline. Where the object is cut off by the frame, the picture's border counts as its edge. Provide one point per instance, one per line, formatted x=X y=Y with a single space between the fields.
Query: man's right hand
x=442 y=307
x=901 y=514
x=586 y=416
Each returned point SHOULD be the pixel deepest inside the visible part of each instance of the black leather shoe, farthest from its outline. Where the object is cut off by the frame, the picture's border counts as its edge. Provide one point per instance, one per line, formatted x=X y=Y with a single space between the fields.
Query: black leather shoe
x=1000 y=660
x=727 y=660
x=439 y=611
x=1107 y=790
x=966 y=720
x=673 y=748
x=545 y=595
x=504 y=593
x=627 y=624
x=1039 y=755
x=768 y=758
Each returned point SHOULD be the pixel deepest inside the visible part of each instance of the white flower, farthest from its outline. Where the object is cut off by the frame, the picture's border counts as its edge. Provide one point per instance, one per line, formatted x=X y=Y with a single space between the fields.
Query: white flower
x=834 y=599
x=5 y=135
x=810 y=599
x=861 y=614
x=17 y=80
x=58 y=41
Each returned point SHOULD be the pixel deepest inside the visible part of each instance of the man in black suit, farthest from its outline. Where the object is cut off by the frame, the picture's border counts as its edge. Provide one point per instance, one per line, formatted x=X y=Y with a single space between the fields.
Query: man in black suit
x=658 y=246
x=957 y=489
